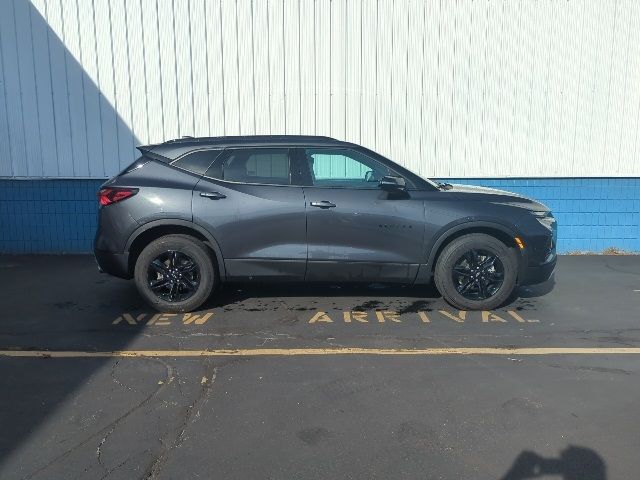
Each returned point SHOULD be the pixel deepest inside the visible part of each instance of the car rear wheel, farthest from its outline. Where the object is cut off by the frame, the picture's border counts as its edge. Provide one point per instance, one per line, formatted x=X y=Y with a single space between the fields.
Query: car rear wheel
x=175 y=273
x=476 y=272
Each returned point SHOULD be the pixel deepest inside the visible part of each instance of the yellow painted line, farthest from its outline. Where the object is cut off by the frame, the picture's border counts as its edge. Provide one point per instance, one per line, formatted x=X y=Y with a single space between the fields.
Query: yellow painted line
x=250 y=352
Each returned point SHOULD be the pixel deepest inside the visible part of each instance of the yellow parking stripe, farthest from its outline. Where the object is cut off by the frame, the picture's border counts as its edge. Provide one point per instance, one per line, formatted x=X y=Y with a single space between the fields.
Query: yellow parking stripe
x=250 y=352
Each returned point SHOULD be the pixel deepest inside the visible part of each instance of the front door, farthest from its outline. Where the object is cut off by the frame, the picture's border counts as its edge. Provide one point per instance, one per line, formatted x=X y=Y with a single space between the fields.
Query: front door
x=247 y=202
x=355 y=230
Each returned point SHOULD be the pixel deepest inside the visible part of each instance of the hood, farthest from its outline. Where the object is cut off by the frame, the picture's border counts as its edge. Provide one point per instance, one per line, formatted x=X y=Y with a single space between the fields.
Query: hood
x=472 y=192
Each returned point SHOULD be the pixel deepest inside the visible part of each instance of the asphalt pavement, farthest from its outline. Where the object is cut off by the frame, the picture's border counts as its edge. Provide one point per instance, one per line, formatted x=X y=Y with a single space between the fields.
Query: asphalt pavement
x=318 y=381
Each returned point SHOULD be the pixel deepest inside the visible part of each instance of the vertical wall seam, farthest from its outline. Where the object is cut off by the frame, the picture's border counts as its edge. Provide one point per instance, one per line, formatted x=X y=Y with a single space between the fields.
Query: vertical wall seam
x=315 y=73
x=193 y=104
x=535 y=50
x=330 y=75
x=422 y=66
x=68 y=92
x=144 y=74
x=100 y=96
x=53 y=103
x=466 y=120
x=113 y=79
x=575 y=122
x=30 y=8
x=253 y=70
x=161 y=76
x=606 y=128
x=20 y=93
x=390 y=112
x=126 y=36
x=238 y=70
x=83 y=75
x=516 y=83
x=224 y=110
x=624 y=101
x=177 y=134
x=345 y=69
x=406 y=79
x=284 y=70
x=360 y=79
x=206 y=60
x=635 y=143
x=375 y=100
x=4 y=99
x=299 y=75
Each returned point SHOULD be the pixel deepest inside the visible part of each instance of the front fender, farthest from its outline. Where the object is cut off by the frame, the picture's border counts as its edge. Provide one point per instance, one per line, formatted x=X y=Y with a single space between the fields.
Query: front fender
x=447 y=232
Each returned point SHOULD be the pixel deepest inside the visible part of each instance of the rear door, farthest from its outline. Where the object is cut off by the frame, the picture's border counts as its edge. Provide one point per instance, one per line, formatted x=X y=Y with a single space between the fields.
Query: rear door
x=247 y=202
x=355 y=230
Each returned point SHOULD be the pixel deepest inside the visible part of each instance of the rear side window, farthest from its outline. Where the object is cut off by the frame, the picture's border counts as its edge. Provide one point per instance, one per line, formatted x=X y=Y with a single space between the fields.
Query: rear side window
x=254 y=165
x=197 y=162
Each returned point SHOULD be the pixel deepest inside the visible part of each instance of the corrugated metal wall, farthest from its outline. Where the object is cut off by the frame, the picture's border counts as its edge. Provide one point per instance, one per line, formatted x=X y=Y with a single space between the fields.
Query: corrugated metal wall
x=448 y=88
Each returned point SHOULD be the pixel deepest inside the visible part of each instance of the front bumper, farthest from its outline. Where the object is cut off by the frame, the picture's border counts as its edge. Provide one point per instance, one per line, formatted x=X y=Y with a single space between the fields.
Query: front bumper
x=538 y=258
x=533 y=274
x=116 y=264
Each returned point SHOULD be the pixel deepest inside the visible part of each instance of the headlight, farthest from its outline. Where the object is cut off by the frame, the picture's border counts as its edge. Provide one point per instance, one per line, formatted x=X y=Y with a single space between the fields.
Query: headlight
x=545 y=217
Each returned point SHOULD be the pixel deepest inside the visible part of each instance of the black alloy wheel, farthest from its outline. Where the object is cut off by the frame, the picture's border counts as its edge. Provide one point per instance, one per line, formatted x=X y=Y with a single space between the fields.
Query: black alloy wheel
x=478 y=274
x=173 y=276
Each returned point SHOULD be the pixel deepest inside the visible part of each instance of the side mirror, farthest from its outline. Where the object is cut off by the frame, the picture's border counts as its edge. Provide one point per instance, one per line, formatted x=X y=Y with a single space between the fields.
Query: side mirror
x=392 y=184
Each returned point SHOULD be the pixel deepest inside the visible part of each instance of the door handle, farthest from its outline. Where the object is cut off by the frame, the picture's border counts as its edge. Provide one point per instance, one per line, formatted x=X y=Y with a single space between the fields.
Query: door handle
x=323 y=204
x=213 y=195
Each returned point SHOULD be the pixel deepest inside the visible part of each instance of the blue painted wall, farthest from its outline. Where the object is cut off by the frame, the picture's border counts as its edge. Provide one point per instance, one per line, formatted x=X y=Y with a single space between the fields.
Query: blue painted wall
x=60 y=215
x=48 y=215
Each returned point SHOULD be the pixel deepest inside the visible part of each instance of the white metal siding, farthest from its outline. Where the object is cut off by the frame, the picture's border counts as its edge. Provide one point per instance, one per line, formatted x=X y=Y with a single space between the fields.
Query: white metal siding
x=449 y=89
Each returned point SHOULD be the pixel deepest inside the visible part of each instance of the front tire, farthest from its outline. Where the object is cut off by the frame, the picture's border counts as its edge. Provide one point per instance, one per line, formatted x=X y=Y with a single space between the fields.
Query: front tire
x=476 y=272
x=175 y=273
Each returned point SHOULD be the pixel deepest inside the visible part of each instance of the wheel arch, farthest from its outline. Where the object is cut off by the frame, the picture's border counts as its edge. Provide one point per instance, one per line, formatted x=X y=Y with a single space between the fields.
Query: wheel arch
x=503 y=233
x=150 y=231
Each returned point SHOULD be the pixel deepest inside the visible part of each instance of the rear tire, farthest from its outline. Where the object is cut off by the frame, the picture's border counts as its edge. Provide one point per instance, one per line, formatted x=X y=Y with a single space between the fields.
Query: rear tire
x=175 y=273
x=476 y=272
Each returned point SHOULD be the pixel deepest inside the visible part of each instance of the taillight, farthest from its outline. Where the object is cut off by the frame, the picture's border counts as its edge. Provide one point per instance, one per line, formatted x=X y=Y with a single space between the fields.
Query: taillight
x=109 y=195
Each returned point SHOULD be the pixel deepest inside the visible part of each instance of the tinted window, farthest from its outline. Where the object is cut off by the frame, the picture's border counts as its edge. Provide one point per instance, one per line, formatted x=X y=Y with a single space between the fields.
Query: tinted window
x=343 y=168
x=197 y=162
x=254 y=165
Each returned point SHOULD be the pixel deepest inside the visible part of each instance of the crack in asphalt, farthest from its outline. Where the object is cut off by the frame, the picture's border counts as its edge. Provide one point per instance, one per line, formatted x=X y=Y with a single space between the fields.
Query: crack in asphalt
x=109 y=429
x=168 y=379
x=192 y=412
x=115 y=379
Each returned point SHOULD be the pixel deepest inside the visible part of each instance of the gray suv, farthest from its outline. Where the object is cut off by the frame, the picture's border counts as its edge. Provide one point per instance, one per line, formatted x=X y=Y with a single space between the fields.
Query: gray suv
x=192 y=213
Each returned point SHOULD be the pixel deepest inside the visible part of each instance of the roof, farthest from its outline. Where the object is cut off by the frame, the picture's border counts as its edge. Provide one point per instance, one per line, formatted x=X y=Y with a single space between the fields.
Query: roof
x=174 y=148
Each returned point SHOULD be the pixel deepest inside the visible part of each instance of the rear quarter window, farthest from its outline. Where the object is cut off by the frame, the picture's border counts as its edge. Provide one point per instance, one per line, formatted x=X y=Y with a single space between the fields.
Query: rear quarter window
x=140 y=162
x=197 y=162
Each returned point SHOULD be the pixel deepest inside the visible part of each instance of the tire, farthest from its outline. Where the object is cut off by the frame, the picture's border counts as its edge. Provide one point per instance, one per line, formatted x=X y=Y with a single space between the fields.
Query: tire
x=475 y=283
x=176 y=282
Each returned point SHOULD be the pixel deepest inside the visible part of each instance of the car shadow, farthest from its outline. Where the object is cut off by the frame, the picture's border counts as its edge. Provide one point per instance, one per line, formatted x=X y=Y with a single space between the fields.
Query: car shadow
x=231 y=293
x=539 y=290
x=421 y=297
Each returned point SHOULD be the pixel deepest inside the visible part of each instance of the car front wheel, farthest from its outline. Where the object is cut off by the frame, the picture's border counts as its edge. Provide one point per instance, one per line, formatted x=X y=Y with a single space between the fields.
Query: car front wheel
x=476 y=272
x=175 y=273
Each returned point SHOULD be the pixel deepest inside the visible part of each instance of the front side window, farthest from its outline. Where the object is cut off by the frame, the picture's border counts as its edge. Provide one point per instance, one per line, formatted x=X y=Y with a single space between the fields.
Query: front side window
x=253 y=165
x=343 y=168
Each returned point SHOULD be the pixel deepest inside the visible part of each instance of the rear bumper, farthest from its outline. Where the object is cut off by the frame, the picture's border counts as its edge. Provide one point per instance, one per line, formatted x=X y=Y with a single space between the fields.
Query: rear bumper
x=116 y=264
x=538 y=273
